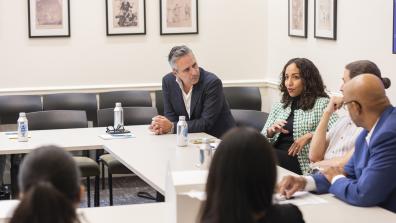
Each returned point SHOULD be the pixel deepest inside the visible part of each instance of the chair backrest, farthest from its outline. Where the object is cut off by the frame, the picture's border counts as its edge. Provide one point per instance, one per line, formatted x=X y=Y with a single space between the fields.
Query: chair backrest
x=11 y=105
x=57 y=119
x=132 y=116
x=250 y=118
x=159 y=102
x=127 y=99
x=248 y=98
x=72 y=101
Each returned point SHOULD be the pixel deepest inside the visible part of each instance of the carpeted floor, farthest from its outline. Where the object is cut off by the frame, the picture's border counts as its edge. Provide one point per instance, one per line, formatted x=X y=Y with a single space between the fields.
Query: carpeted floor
x=125 y=191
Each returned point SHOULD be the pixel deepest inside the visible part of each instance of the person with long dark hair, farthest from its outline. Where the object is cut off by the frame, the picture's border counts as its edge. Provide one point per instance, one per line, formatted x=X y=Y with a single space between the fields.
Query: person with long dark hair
x=49 y=183
x=241 y=182
x=291 y=123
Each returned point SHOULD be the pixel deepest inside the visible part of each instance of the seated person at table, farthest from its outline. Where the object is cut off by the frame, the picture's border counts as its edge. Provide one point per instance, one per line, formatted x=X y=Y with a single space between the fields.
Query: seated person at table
x=241 y=182
x=195 y=93
x=368 y=179
x=336 y=147
x=49 y=183
x=291 y=122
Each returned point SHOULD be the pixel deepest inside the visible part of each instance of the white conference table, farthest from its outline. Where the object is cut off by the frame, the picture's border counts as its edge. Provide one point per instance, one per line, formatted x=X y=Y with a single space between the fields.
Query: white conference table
x=148 y=156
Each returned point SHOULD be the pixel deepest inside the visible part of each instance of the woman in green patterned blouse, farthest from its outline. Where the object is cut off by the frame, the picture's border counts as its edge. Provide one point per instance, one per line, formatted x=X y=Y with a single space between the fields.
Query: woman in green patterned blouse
x=290 y=124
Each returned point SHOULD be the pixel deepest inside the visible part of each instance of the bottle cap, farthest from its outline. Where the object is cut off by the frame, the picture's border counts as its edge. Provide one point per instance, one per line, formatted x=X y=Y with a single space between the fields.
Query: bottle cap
x=182 y=118
x=118 y=104
x=22 y=114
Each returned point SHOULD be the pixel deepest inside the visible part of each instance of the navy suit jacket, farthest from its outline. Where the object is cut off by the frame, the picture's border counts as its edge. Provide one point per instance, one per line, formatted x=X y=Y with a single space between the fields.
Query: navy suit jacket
x=371 y=172
x=209 y=109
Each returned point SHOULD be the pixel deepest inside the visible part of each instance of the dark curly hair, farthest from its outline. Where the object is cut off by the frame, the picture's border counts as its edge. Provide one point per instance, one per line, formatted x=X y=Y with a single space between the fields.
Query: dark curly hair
x=313 y=86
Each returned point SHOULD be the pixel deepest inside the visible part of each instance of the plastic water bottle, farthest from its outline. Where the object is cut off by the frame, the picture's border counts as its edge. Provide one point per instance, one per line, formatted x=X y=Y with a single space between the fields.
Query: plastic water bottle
x=23 y=129
x=182 y=132
x=205 y=153
x=118 y=116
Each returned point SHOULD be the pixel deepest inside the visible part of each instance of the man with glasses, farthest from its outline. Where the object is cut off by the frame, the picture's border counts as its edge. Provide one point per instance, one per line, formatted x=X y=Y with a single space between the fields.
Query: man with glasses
x=368 y=179
x=195 y=93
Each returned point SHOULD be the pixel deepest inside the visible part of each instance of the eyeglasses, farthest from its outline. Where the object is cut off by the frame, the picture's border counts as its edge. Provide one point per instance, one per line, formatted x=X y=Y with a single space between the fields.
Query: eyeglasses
x=118 y=130
x=345 y=107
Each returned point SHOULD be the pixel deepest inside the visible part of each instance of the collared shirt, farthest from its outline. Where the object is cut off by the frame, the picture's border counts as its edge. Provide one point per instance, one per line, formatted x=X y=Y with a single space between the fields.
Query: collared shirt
x=311 y=185
x=341 y=137
x=186 y=97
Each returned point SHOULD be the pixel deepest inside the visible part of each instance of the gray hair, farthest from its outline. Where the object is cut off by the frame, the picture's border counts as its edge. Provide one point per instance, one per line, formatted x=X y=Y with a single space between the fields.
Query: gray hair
x=176 y=53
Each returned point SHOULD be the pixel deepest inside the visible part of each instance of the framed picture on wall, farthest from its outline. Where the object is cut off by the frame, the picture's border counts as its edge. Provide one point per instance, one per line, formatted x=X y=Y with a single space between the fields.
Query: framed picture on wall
x=394 y=27
x=326 y=19
x=49 y=18
x=125 y=17
x=298 y=18
x=178 y=17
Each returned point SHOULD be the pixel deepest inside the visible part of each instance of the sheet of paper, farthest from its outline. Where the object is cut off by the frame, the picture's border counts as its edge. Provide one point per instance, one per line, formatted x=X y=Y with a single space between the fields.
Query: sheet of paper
x=117 y=136
x=299 y=198
x=200 y=195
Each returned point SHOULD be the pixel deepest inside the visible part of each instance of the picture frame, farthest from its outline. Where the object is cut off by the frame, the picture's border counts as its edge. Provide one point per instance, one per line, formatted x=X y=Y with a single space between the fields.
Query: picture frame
x=394 y=28
x=49 y=18
x=325 y=19
x=178 y=17
x=125 y=17
x=298 y=18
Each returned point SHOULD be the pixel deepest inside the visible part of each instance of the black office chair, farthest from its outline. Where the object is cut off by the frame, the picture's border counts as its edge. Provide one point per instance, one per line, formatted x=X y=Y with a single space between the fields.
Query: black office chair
x=127 y=99
x=159 y=102
x=248 y=98
x=132 y=116
x=65 y=119
x=11 y=105
x=73 y=101
x=250 y=118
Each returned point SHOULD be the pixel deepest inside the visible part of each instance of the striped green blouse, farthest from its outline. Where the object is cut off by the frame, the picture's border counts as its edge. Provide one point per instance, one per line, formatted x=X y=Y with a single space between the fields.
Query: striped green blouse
x=304 y=122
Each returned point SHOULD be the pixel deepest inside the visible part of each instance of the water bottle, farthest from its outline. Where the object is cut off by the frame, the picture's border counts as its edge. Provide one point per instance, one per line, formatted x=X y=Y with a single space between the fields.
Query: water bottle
x=118 y=116
x=182 y=132
x=205 y=153
x=23 y=128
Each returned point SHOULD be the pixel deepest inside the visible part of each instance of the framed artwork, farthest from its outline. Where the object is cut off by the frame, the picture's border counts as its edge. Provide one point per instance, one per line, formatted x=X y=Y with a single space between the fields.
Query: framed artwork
x=394 y=27
x=298 y=18
x=49 y=18
x=326 y=19
x=125 y=17
x=178 y=17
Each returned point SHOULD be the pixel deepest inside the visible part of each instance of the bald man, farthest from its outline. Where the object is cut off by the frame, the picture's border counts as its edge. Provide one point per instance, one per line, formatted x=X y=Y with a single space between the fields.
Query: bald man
x=369 y=178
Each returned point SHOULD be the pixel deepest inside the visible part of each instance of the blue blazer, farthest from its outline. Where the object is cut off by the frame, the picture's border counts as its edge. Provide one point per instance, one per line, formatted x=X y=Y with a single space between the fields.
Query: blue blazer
x=209 y=109
x=371 y=172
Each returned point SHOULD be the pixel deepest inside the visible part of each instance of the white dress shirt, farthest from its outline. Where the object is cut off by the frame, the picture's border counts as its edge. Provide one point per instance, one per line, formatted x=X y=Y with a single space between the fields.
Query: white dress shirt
x=186 y=97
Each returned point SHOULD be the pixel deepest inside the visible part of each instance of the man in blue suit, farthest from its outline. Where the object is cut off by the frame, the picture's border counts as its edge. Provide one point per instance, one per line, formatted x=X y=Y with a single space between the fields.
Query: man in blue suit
x=192 y=92
x=369 y=178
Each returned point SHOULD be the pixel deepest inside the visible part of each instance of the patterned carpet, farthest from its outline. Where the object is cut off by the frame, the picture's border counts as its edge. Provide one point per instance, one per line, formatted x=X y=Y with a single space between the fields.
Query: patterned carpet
x=125 y=191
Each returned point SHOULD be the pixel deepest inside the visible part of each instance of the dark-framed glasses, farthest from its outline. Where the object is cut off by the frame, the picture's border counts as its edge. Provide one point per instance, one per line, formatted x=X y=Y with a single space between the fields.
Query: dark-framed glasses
x=118 y=130
x=345 y=104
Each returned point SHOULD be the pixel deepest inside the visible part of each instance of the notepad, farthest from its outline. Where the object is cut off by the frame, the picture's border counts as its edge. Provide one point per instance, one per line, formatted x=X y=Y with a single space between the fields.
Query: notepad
x=117 y=136
x=14 y=135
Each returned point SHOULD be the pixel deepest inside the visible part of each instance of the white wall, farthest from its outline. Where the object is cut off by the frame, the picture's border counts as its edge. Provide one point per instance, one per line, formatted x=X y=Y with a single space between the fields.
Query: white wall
x=364 y=32
x=231 y=42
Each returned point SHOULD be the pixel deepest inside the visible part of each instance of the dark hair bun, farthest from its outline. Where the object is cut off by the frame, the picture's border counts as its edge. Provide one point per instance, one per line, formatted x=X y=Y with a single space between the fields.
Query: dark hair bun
x=387 y=82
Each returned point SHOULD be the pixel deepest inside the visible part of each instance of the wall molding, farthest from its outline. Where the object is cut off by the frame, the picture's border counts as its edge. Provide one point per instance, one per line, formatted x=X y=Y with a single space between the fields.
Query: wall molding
x=261 y=83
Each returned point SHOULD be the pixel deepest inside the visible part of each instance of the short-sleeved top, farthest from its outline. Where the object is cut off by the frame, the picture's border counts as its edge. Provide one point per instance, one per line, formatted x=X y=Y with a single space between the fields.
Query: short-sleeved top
x=341 y=137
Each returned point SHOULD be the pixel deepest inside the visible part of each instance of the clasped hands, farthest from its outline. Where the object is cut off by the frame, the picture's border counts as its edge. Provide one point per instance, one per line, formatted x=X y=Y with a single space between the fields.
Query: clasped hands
x=160 y=125
x=298 y=145
x=291 y=184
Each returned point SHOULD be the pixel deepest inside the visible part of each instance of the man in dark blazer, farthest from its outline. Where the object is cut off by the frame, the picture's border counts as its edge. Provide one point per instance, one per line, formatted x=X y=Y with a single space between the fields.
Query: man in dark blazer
x=192 y=92
x=369 y=178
